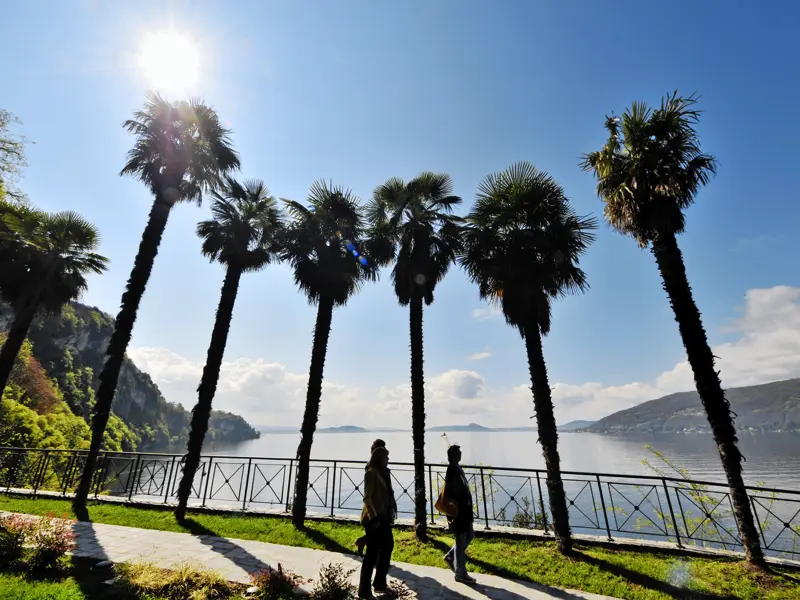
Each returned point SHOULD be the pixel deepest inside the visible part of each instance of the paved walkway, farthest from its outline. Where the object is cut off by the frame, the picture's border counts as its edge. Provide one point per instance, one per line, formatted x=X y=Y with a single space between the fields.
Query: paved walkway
x=234 y=559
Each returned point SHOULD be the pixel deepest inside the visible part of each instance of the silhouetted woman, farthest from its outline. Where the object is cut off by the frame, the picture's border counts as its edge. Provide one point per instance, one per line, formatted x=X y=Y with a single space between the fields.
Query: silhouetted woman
x=377 y=517
x=379 y=443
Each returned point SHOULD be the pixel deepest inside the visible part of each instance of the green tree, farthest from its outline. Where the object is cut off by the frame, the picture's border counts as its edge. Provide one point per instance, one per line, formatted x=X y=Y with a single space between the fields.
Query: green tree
x=412 y=226
x=321 y=245
x=46 y=259
x=523 y=243
x=242 y=235
x=649 y=171
x=181 y=150
x=12 y=158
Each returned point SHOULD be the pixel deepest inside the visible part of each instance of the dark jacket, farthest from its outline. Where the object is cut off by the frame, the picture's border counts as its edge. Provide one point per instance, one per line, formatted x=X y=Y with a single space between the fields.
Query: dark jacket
x=458 y=489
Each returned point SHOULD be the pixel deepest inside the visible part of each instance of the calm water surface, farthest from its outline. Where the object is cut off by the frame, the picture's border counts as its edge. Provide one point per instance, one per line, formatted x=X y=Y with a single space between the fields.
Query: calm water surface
x=771 y=458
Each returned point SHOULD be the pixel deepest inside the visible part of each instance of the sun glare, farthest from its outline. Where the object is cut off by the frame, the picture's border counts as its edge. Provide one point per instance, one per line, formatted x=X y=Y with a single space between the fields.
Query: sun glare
x=170 y=62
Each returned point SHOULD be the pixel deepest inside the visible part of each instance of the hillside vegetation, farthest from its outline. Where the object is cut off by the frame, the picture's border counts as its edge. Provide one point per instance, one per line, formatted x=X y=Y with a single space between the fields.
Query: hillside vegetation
x=773 y=407
x=55 y=380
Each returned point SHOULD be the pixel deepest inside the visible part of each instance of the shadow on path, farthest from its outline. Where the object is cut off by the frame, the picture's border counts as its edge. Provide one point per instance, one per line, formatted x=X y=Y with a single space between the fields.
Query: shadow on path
x=418 y=583
x=87 y=543
x=226 y=547
x=326 y=542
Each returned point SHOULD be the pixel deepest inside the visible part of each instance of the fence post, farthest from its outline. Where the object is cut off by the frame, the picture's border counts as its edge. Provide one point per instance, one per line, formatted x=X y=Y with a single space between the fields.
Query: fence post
x=603 y=505
x=333 y=489
x=289 y=485
x=430 y=491
x=73 y=458
x=40 y=472
x=483 y=493
x=760 y=528
x=672 y=513
x=168 y=480
x=541 y=501
x=101 y=470
x=209 y=477
x=246 y=483
x=132 y=477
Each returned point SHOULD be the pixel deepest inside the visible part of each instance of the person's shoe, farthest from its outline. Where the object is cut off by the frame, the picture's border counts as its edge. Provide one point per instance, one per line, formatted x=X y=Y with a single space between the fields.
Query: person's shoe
x=448 y=558
x=365 y=595
x=360 y=543
x=380 y=589
x=465 y=579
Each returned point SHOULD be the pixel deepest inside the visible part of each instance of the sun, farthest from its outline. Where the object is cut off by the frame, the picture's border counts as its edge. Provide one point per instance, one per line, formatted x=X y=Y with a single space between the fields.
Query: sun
x=170 y=62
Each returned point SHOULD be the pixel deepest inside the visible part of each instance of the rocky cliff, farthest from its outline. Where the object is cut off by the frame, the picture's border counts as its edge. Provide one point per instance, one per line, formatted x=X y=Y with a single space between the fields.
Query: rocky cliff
x=71 y=349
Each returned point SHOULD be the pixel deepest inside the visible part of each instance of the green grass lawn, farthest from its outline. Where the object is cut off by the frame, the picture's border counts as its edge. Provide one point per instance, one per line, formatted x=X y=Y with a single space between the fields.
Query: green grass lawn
x=622 y=574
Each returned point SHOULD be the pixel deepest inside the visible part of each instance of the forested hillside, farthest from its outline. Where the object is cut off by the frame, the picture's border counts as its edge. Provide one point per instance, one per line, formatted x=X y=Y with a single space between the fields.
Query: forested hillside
x=767 y=407
x=69 y=349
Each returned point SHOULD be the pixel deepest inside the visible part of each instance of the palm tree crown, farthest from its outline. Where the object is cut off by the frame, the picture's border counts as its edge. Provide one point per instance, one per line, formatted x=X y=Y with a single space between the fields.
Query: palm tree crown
x=316 y=244
x=523 y=241
x=54 y=254
x=245 y=227
x=181 y=148
x=651 y=168
x=413 y=224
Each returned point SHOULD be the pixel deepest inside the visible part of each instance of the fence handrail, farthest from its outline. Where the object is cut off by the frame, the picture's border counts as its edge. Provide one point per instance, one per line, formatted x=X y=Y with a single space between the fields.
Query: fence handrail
x=475 y=467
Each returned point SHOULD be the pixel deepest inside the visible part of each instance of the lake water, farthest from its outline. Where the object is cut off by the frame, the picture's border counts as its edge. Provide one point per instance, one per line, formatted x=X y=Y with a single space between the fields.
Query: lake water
x=771 y=458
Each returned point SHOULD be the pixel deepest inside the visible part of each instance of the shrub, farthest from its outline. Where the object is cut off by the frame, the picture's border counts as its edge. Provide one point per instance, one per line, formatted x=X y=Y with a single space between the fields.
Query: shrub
x=333 y=583
x=276 y=584
x=50 y=539
x=183 y=582
x=14 y=530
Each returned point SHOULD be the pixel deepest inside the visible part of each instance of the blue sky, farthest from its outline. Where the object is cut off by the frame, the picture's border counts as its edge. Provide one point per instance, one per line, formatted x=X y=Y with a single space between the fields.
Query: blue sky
x=357 y=91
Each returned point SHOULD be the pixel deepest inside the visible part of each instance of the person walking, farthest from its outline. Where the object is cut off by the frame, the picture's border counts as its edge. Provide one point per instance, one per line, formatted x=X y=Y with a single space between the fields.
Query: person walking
x=461 y=526
x=377 y=516
x=379 y=443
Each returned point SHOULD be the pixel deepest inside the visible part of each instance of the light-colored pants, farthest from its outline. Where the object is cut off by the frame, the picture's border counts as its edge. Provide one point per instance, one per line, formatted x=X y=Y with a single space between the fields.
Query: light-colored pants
x=458 y=553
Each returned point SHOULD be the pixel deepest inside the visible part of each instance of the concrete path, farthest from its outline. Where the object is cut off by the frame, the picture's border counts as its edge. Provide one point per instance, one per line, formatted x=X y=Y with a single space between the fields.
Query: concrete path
x=235 y=559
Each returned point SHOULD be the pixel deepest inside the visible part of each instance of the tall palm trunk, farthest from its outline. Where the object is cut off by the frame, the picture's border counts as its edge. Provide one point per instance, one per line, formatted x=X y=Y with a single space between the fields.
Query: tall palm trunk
x=14 y=340
x=322 y=330
x=548 y=436
x=676 y=284
x=418 y=416
x=208 y=386
x=118 y=344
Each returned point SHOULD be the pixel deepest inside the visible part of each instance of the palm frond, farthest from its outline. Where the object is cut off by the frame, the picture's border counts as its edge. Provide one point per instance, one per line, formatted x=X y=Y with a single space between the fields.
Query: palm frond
x=651 y=167
x=522 y=243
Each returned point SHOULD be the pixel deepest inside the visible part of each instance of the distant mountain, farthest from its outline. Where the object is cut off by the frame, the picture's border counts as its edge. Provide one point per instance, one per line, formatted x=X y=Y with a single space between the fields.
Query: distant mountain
x=470 y=427
x=770 y=407
x=475 y=428
x=575 y=425
x=343 y=429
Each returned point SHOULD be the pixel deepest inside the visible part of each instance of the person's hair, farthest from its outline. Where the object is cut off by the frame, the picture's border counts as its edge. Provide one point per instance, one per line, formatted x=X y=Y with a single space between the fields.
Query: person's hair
x=451 y=451
x=378 y=452
x=379 y=443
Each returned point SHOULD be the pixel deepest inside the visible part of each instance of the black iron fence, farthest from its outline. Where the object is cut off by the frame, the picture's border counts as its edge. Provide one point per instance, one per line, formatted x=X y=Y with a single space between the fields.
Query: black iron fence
x=688 y=513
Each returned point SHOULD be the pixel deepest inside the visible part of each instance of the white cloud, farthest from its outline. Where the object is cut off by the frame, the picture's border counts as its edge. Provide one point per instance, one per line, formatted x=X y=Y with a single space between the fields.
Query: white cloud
x=479 y=356
x=767 y=349
x=487 y=312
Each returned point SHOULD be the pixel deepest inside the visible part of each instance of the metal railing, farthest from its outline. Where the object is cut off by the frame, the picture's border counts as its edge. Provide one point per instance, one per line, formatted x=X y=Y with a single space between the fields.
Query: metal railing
x=688 y=513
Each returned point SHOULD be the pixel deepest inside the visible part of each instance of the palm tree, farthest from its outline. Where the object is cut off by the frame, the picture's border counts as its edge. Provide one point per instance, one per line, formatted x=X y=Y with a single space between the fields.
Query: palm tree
x=242 y=235
x=321 y=246
x=649 y=171
x=522 y=245
x=414 y=228
x=181 y=150
x=46 y=258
